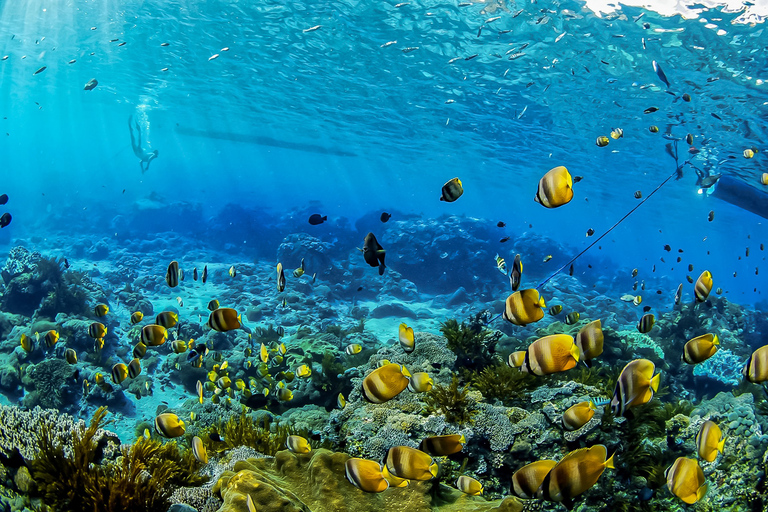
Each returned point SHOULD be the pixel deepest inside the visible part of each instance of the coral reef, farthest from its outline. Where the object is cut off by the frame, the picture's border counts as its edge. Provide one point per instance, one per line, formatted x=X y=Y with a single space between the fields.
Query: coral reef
x=317 y=482
x=139 y=480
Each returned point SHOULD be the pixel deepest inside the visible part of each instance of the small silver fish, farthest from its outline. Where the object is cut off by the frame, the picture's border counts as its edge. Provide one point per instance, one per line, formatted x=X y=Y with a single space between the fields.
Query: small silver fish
x=312 y=29
x=389 y=43
x=410 y=49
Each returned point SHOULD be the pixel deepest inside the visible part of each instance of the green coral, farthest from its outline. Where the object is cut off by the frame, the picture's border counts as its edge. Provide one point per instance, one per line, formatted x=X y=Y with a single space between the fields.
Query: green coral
x=74 y=479
x=451 y=402
x=502 y=382
x=472 y=343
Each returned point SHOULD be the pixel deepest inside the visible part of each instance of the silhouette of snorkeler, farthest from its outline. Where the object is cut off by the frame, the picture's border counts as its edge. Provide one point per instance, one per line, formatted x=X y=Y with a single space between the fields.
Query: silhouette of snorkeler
x=145 y=156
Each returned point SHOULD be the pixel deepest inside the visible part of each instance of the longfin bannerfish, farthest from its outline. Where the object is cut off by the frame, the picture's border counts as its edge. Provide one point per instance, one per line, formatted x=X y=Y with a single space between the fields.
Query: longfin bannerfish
x=169 y=425
x=119 y=373
x=551 y=354
x=70 y=356
x=204 y=277
x=51 y=338
x=410 y=463
x=374 y=253
x=709 y=441
x=524 y=307
x=385 y=383
x=353 y=349
x=199 y=389
x=469 y=485
x=685 y=479
x=26 y=343
x=574 y=474
x=232 y=271
x=194 y=274
x=527 y=480
x=167 y=319
x=645 y=324
x=297 y=444
x=134 y=368
x=515 y=276
x=572 y=317
x=153 y=335
x=341 y=402
x=590 y=341
x=555 y=188
x=703 y=286
x=97 y=330
x=299 y=271
x=365 y=474
x=679 y=294
x=407 y=339
x=636 y=385
x=280 y=278
x=139 y=350
x=223 y=320
x=756 y=369
x=516 y=359
x=439 y=446
x=700 y=348
x=198 y=450
x=420 y=382
x=578 y=415
x=452 y=190
x=172 y=274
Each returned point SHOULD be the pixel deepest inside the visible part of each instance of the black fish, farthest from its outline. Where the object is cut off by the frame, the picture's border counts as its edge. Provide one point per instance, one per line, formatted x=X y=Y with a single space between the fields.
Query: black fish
x=570 y=270
x=500 y=224
x=194 y=274
x=505 y=239
x=646 y=309
x=66 y=263
x=374 y=253
x=516 y=274
x=316 y=219
x=205 y=274
x=590 y=232
x=667 y=248
x=385 y=216
x=3 y=199
x=91 y=84
x=716 y=116
x=39 y=71
x=5 y=220
x=650 y=110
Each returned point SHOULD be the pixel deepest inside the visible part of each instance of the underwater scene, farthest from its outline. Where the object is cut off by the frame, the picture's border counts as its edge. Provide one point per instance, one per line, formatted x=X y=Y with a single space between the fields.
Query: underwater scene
x=418 y=255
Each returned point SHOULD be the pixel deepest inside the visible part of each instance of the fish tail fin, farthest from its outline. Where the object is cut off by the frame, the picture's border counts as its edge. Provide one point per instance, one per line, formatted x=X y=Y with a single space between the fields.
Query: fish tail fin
x=701 y=492
x=434 y=468
x=716 y=340
x=381 y=269
x=655 y=382
x=721 y=445
x=609 y=463
x=575 y=352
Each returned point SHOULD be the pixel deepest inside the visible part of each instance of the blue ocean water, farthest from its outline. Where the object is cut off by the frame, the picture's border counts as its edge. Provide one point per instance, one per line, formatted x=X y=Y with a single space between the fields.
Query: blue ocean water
x=264 y=113
x=337 y=88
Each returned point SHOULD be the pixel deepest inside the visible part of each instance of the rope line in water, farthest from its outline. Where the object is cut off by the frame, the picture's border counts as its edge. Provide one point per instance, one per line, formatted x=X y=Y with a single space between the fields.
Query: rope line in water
x=630 y=212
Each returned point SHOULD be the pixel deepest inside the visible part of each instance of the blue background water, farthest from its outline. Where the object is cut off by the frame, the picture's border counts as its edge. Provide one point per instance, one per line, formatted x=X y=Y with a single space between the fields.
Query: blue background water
x=66 y=158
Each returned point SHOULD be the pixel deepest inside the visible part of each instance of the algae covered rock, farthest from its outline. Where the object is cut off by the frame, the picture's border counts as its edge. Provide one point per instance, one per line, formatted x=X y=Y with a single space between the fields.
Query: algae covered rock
x=316 y=482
